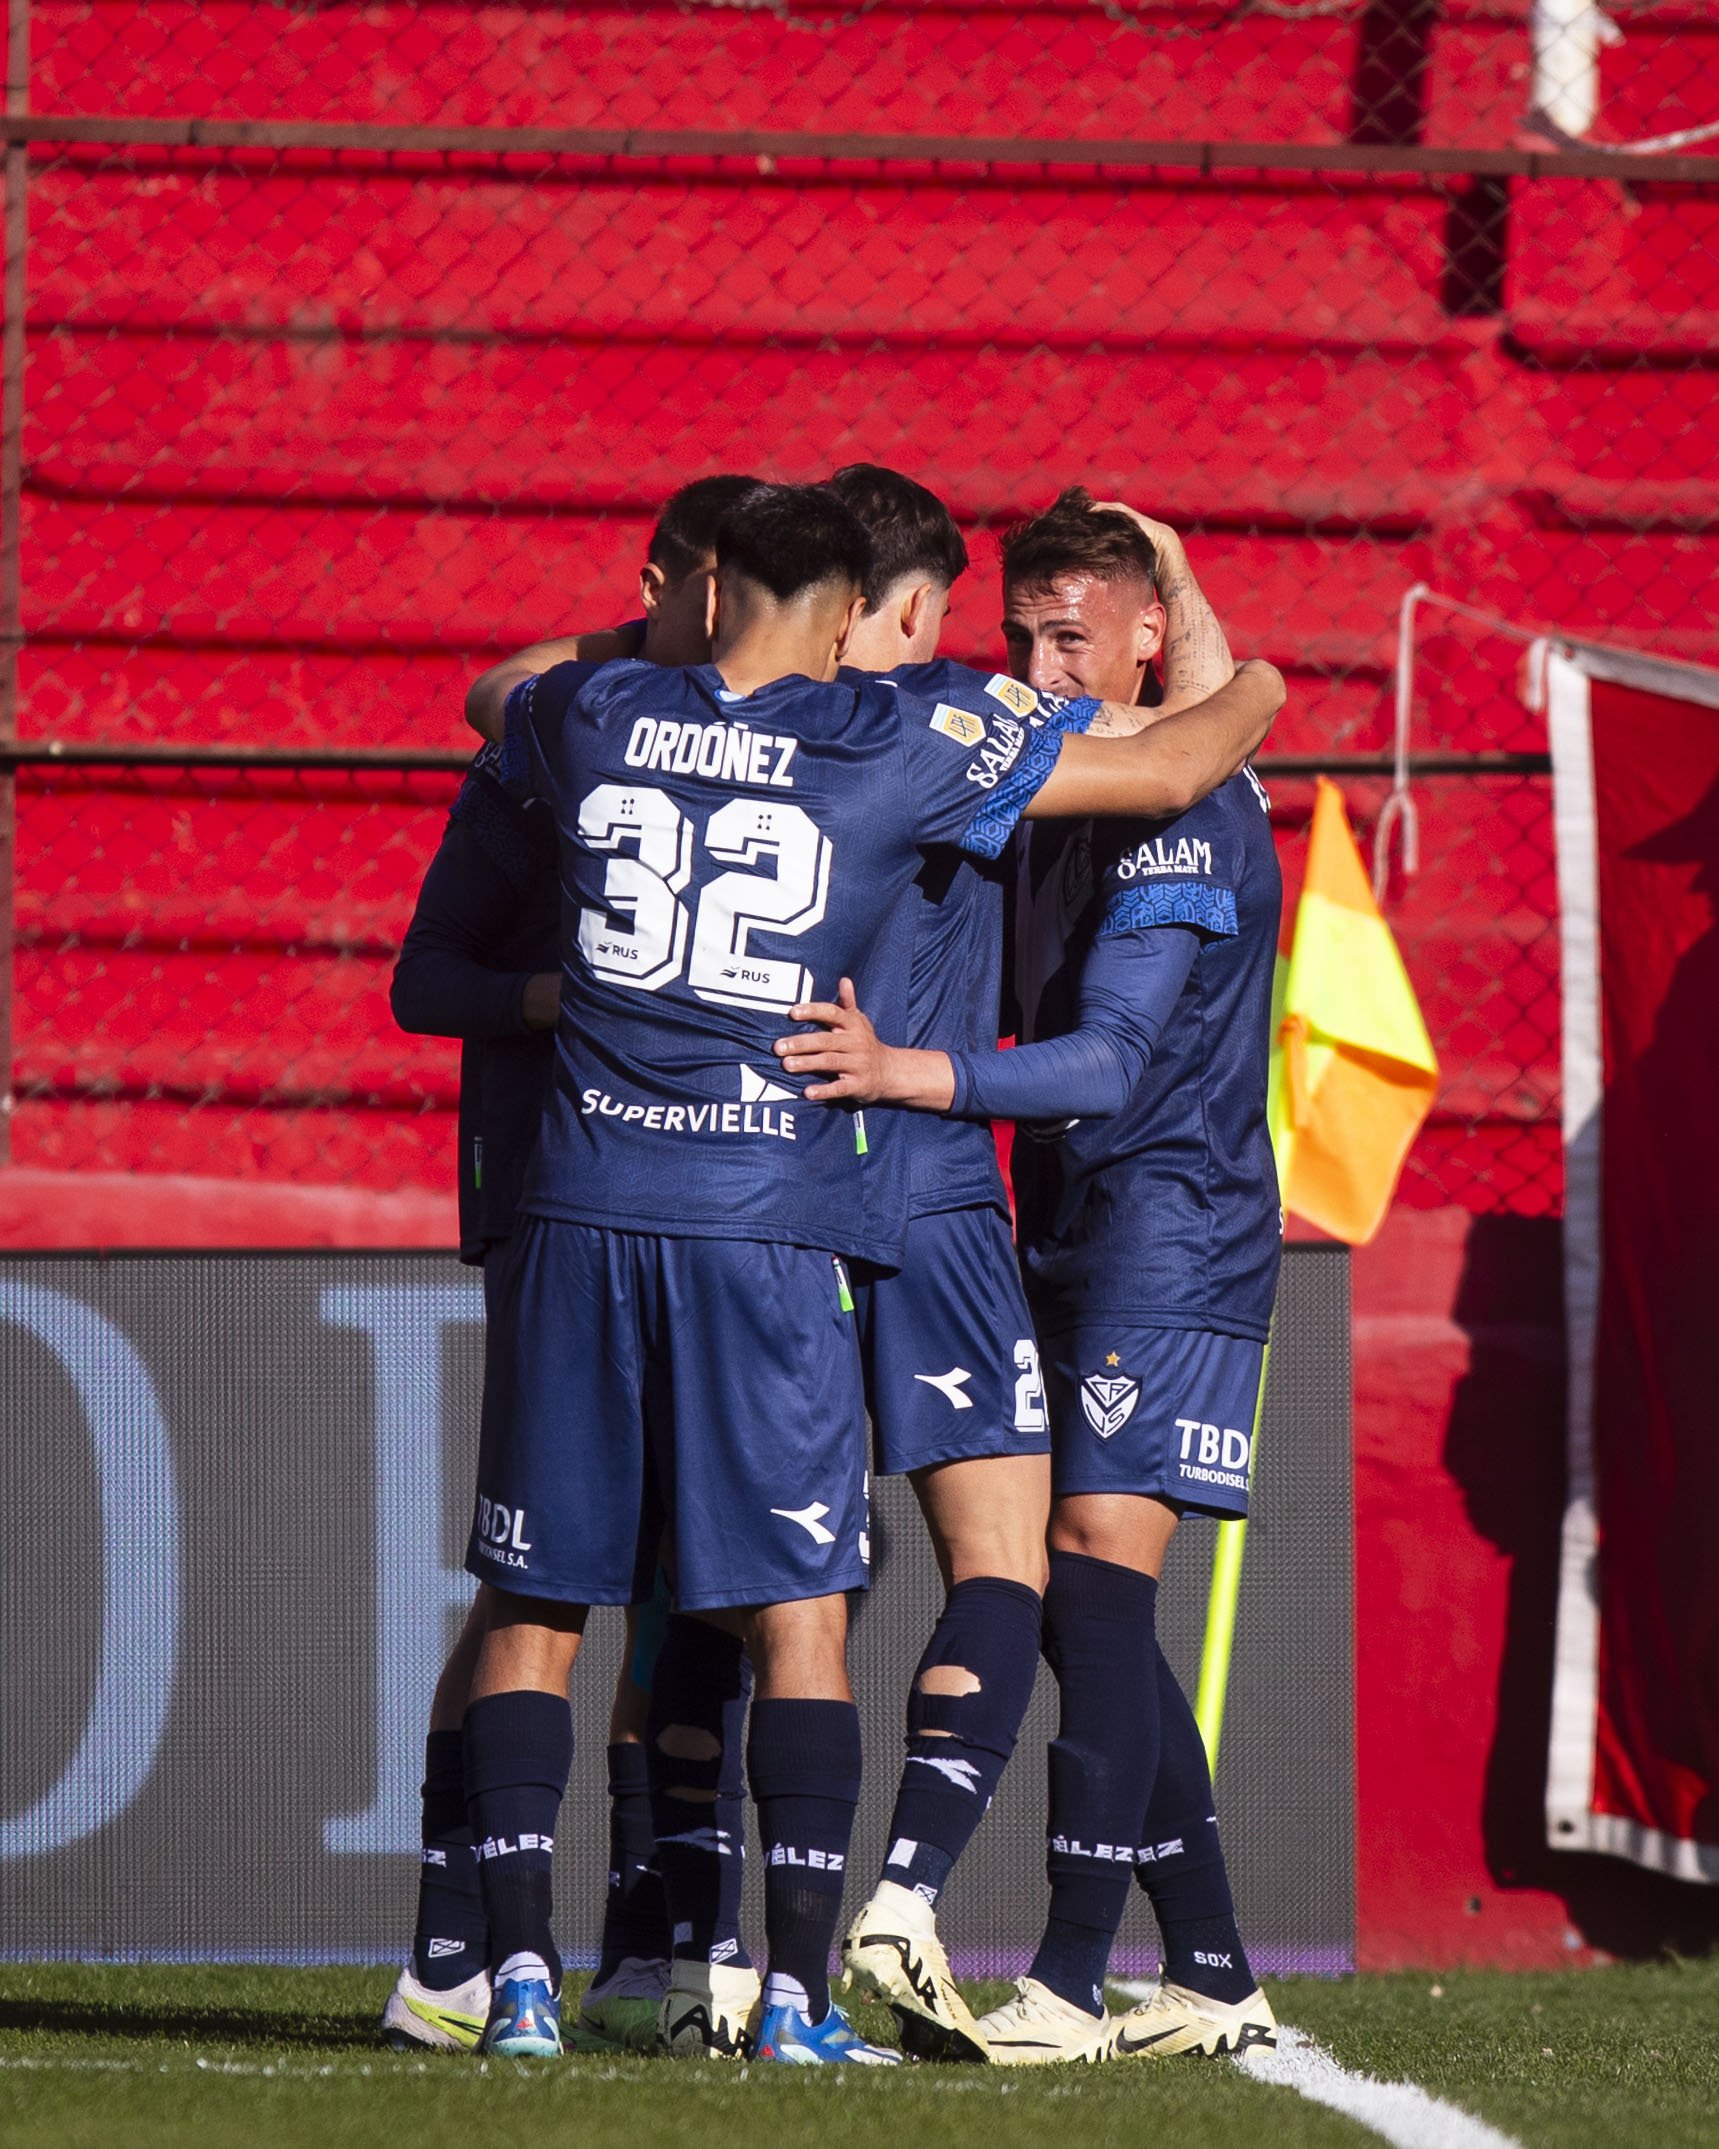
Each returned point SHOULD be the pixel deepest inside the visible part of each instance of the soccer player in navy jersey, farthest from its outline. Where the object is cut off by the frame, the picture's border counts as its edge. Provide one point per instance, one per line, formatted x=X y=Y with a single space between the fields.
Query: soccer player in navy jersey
x=1150 y=1238
x=681 y=1336
x=481 y=962
x=953 y=1383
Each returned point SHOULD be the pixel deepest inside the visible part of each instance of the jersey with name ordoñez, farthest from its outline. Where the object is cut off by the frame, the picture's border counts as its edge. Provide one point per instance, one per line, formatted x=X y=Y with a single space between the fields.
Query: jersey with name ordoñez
x=1165 y=1215
x=724 y=856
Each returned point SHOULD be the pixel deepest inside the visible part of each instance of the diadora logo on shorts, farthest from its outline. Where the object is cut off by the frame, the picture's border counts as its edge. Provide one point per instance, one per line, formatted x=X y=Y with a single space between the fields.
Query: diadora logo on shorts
x=730 y=753
x=1214 y=1454
x=810 y=1519
x=950 y=1385
x=1014 y=694
x=958 y=724
x=501 y=1533
x=1109 y=1400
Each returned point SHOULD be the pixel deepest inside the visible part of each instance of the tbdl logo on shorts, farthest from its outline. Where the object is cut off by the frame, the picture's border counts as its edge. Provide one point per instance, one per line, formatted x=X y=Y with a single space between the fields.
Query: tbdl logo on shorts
x=501 y=1532
x=1224 y=1446
x=1109 y=1401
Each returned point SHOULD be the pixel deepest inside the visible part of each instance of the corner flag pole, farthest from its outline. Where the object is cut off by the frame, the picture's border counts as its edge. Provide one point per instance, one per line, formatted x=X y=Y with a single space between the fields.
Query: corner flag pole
x=1221 y=1603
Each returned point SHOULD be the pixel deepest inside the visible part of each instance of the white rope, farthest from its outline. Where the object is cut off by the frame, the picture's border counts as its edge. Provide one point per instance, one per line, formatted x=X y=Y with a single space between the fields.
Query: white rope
x=1399 y=809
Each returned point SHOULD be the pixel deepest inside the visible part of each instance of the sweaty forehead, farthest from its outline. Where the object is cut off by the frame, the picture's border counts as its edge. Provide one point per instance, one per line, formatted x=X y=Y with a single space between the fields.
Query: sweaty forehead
x=1079 y=598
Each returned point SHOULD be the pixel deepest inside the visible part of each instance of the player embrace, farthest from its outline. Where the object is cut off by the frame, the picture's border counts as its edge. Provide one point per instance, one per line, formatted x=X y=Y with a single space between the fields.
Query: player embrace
x=1150 y=1238
x=675 y=1365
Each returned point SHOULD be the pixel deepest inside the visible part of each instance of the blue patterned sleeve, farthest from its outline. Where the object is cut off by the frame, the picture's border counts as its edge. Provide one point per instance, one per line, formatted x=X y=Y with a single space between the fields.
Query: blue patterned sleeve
x=980 y=752
x=1181 y=872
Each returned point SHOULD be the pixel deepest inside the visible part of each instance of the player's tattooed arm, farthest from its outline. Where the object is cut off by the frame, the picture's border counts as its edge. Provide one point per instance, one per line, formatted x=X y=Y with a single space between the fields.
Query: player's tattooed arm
x=1195 y=659
x=1171 y=762
x=486 y=697
x=859 y=1067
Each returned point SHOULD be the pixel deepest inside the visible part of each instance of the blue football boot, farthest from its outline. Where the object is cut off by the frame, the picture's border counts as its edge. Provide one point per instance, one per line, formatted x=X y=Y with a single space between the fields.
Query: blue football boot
x=525 y=2013
x=785 y=2034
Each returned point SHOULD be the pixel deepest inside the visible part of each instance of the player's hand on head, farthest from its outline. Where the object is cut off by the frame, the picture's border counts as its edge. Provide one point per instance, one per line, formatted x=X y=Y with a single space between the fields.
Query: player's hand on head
x=1165 y=540
x=845 y=1048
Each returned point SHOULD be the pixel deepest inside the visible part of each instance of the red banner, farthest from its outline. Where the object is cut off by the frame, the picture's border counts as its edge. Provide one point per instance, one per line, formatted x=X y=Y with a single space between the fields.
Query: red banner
x=1634 y=1767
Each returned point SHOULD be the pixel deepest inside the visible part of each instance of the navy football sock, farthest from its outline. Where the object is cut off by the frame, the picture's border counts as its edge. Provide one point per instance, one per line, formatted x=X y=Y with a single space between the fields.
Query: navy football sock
x=450 y=1938
x=1184 y=1873
x=1098 y=1640
x=958 y=1744
x=695 y=1744
x=635 y=1923
x=804 y=1761
x=518 y=1752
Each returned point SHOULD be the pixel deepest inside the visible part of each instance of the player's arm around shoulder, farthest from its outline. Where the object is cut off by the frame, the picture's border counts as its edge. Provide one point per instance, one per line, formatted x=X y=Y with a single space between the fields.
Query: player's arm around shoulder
x=486 y=697
x=1168 y=763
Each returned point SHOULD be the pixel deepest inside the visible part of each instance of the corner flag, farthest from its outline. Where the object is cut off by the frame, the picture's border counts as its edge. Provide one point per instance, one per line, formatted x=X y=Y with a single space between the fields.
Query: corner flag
x=1352 y=1077
x=1353 y=1072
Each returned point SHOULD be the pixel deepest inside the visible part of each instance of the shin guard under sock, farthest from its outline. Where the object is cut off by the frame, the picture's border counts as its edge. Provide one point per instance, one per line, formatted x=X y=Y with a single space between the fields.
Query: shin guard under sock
x=804 y=1761
x=449 y=1943
x=958 y=1744
x=518 y=1751
x=1185 y=1875
x=1098 y=1639
x=695 y=1739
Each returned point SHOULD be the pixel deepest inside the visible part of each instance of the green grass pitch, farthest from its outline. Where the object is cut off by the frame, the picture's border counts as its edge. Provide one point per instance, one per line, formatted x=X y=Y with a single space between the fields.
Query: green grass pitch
x=96 y=2058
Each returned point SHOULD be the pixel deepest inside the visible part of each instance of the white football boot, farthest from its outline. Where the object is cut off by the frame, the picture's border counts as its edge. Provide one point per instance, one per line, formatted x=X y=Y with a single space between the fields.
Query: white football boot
x=1175 y=2020
x=1038 y=2027
x=892 y=1950
x=439 y=2021
x=710 y=2011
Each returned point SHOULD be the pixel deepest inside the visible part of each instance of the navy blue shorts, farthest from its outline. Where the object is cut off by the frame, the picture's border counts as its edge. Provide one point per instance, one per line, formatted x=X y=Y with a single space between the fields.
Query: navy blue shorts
x=1167 y=1412
x=635 y=1384
x=952 y=1370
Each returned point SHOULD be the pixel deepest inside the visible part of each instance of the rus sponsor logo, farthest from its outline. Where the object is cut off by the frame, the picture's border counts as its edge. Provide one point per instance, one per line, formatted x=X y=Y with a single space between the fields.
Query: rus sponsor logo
x=700 y=1119
x=726 y=753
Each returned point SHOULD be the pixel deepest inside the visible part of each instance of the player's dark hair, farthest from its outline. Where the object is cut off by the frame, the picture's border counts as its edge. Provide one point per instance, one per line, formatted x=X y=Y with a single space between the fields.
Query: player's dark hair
x=790 y=538
x=1073 y=536
x=685 y=535
x=911 y=531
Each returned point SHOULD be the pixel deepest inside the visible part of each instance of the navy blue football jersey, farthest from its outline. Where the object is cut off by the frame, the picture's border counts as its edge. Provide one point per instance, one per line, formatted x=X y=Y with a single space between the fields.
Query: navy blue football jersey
x=1166 y=1214
x=955 y=987
x=486 y=919
x=724 y=856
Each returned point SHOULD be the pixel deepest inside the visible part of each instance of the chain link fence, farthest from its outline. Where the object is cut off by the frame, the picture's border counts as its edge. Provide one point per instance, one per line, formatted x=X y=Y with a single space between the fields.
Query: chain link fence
x=347 y=345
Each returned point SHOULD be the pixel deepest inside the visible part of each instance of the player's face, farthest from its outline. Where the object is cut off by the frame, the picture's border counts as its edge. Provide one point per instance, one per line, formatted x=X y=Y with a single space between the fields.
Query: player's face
x=1082 y=634
x=677 y=614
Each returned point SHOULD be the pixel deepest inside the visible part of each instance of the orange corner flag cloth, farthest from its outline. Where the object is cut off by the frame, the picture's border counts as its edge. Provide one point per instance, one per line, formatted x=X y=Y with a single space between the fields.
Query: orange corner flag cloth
x=1353 y=1071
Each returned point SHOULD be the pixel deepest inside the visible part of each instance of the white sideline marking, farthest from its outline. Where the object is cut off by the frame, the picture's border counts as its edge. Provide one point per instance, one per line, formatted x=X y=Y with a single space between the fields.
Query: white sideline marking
x=1405 y=2114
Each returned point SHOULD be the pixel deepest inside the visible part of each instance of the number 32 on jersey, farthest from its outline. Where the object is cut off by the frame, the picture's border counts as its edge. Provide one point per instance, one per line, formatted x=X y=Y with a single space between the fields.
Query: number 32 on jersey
x=642 y=935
